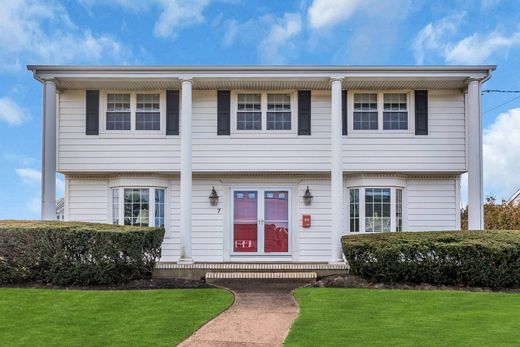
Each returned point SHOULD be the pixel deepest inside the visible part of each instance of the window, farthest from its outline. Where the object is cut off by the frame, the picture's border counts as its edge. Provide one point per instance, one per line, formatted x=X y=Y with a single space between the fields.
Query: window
x=395 y=112
x=148 y=112
x=375 y=209
x=398 y=210
x=261 y=112
x=159 y=207
x=381 y=112
x=278 y=112
x=139 y=206
x=365 y=112
x=249 y=114
x=115 y=206
x=118 y=111
x=354 y=210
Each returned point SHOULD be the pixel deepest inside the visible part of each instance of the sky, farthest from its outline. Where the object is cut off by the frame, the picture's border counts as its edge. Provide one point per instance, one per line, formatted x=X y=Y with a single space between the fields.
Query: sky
x=219 y=32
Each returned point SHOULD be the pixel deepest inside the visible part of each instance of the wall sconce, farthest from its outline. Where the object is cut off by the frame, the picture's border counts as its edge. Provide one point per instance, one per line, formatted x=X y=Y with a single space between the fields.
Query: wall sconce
x=213 y=197
x=307 y=197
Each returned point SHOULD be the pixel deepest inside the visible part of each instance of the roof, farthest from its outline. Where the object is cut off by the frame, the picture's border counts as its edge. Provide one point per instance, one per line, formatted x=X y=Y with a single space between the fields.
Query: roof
x=261 y=76
x=513 y=198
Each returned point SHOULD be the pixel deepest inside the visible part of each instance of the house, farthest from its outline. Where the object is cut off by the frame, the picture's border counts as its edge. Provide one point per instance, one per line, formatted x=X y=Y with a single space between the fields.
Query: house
x=263 y=164
x=514 y=200
x=60 y=209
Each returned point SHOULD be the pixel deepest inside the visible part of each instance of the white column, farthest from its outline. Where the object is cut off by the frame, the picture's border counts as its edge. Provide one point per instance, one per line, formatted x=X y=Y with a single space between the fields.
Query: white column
x=186 y=173
x=474 y=143
x=336 y=175
x=49 y=151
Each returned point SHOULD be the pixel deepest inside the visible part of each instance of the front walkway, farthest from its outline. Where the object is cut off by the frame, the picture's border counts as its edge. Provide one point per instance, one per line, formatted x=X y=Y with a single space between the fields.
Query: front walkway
x=262 y=315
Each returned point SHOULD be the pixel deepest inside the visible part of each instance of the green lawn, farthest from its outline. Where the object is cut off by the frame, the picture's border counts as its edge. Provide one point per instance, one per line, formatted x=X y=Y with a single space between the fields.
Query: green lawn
x=41 y=317
x=363 y=317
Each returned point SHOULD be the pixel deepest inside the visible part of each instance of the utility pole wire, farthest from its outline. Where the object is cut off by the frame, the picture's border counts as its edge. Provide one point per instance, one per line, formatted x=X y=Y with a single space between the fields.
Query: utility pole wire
x=500 y=91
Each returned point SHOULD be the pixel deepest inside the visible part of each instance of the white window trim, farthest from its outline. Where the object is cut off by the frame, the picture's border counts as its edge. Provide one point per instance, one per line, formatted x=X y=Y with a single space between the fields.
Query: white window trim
x=264 y=132
x=133 y=133
x=393 y=219
x=151 y=213
x=380 y=132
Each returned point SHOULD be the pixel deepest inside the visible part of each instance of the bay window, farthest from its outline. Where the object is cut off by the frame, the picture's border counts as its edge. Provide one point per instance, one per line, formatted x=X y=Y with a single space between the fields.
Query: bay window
x=375 y=209
x=138 y=206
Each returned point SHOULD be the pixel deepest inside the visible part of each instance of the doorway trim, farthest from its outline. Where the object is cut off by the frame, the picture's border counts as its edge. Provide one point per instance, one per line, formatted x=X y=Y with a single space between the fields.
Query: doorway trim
x=260 y=190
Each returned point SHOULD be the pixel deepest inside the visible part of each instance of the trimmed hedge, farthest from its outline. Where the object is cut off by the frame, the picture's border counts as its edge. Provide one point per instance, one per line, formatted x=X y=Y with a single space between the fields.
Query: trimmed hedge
x=76 y=253
x=468 y=258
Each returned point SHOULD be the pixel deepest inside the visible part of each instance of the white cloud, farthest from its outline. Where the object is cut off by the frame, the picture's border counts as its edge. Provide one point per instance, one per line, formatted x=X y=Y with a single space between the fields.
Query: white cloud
x=323 y=13
x=476 y=49
x=501 y=146
x=11 y=112
x=277 y=44
x=34 y=205
x=178 y=13
x=439 y=40
x=33 y=177
x=43 y=31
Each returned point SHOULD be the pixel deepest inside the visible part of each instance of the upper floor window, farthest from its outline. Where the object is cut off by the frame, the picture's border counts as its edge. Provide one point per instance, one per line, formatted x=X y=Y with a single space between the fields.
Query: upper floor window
x=379 y=111
x=148 y=112
x=133 y=111
x=118 y=112
x=264 y=112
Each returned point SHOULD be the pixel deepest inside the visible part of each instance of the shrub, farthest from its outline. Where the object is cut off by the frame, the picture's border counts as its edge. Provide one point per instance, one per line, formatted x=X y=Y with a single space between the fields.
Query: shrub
x=76 y=253
x=496 y=216
x=469 y=258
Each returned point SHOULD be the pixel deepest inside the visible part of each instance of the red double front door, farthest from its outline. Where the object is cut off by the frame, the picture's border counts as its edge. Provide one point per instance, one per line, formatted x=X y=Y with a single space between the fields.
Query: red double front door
x=261 y=221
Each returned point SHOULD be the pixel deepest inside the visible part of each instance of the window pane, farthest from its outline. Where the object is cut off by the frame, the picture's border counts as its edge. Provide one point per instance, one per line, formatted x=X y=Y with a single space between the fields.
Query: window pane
x=278 y=112
x=118 y=112
x=136 y=206
x=249 y=115
x=398 y=210
x=115 y=206
x=159 y=207
x=395 y=112
x=365 y=111
x=354 y=210
x=377 y=209
x=148 y=116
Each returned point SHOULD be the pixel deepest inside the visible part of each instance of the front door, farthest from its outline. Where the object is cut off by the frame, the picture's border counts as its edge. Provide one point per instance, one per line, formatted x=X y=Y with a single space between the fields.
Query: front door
x=261 y=221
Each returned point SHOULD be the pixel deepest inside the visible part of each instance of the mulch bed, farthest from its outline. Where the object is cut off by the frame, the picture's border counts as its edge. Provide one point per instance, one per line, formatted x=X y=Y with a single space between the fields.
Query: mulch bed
x=167 y=283
x=357 y=282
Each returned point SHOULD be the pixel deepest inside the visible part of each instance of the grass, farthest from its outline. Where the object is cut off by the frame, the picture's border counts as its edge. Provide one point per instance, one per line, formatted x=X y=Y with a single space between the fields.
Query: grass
x=41 y=317
x=363 y=317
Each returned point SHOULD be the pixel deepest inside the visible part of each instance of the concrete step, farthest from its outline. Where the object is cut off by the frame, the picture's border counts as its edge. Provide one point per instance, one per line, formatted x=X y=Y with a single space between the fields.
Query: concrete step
x=307 y=277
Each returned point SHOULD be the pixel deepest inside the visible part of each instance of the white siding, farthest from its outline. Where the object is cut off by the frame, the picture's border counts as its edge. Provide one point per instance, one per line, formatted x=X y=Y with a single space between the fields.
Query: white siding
x=432 y=204
x=259 y=152
x=78 y=152
x=171 y=249
x=443 y=149
x=87 y=200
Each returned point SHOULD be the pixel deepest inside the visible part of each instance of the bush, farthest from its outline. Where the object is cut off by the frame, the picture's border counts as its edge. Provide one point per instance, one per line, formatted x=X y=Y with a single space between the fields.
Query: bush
x=496 y=216
x=76 y=253
x=469 y=258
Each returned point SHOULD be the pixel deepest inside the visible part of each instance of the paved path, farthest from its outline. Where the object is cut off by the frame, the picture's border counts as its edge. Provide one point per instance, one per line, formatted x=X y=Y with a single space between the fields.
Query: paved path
x=261 y=316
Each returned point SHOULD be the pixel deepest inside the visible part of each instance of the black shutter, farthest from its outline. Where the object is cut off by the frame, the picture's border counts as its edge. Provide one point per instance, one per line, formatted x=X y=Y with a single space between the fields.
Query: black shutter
x=304 y=112
x=344 y=113
x=223 y=112
x=172 y=112
x=92 y=112
x=421 y=112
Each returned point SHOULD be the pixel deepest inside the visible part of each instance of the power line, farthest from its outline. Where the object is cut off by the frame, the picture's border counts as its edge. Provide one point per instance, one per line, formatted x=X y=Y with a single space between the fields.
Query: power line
x=502 y=104
x=500 y=91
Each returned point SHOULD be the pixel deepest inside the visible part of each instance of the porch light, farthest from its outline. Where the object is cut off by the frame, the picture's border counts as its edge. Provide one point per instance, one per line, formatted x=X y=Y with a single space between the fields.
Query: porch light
x=213 y=197
x=307 y=197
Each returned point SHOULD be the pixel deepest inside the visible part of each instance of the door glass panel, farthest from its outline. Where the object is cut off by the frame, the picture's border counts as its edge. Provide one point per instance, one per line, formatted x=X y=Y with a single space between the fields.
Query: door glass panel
x=245 y=230
x=276 y=221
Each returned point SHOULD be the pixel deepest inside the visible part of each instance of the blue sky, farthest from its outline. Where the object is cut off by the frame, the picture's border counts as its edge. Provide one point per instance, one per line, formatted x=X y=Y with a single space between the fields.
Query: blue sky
x=176 y=32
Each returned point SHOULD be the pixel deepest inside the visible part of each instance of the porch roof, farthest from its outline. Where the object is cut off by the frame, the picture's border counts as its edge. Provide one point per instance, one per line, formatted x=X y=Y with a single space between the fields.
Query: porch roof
x=261 y=77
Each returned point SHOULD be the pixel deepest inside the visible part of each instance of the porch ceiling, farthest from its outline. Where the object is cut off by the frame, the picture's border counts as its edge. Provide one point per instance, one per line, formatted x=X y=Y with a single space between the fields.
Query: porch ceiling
x=151 y=83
